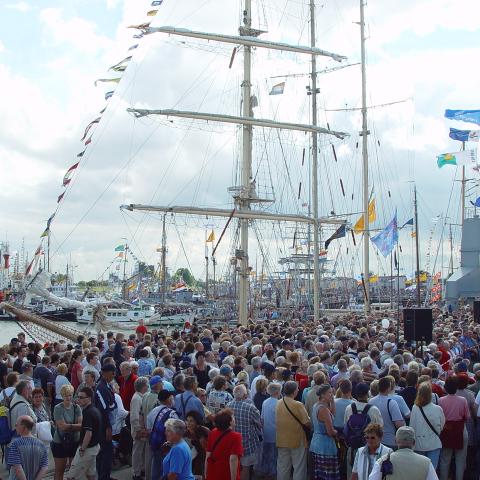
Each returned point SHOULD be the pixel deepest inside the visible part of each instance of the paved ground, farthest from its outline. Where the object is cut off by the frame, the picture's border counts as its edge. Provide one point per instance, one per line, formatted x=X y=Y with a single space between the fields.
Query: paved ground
x=123 y=473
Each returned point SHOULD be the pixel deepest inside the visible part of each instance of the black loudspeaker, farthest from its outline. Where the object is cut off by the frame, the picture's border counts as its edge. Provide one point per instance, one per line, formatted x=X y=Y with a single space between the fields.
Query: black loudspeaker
x=476 y=311
x=417 y=324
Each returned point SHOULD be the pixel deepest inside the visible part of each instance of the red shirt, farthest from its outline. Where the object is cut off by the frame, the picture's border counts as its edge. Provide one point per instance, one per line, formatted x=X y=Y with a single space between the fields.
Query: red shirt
x=230 y=444
x=141 y=329
x=127 y=390
x=74 y=374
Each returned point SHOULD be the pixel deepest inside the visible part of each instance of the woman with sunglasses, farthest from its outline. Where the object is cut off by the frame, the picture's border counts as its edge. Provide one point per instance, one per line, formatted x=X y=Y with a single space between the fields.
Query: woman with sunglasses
x=373 y=450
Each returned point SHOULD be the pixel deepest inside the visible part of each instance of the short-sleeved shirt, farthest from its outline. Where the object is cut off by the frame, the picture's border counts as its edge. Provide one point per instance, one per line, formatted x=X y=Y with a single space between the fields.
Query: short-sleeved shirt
x=454 y=407
x=70 y=415
x=218 y=399
x=230 y=444
x=390 y=413
x=341 y=405
x=289 y=432
x=30 y=453
x=179 y=461
x=91 y=422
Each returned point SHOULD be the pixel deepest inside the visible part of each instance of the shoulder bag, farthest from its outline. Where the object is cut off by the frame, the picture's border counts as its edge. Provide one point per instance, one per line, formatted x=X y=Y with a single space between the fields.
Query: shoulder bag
x=306 y=429
x=428 y=423
x=211 y=458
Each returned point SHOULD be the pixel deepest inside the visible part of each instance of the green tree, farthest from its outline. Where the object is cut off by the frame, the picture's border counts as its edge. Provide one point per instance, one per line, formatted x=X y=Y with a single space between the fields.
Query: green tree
x=185 y=275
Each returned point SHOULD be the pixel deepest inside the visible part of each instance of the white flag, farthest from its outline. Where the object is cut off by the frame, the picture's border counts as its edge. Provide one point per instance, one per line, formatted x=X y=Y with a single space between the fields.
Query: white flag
x=277 y=89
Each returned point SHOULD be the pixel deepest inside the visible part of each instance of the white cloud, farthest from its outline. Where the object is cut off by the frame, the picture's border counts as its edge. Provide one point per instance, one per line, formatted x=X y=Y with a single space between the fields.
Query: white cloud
x=22 y=7
x=75 y=32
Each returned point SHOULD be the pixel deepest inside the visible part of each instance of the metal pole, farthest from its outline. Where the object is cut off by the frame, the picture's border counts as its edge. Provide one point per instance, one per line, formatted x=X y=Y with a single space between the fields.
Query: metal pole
x=316 y=236
x=206 y=265
x=416 y=245
x=366 y=235
x=463 y=188
x=124 y=293
x=48 y=251
x=246 y=170
x=164 y=260
x=398 y=295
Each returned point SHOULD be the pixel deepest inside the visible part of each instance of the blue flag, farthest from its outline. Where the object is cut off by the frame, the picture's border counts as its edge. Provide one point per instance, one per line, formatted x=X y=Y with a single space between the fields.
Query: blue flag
x=471 y=116
x=387 y=238
x=464 y=135
x=341 y=232
x=476 y=203
x=408 y=222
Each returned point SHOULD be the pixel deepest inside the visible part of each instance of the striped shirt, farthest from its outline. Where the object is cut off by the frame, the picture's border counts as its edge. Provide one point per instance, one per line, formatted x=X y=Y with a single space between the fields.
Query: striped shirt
x=30 y=453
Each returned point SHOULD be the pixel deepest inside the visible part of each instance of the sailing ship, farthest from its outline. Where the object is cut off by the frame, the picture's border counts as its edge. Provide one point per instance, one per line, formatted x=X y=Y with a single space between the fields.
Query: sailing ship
x=245 y=194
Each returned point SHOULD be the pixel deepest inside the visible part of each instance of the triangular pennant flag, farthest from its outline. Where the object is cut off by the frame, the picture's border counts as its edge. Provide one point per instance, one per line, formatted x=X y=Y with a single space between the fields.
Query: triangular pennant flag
x=60 y=197
x=360 y=225
x=67 y=176
x=133 y=47
x=108 y=80
x=141 y=26
x=408 y=222
x=109 y=94
x=341 y=232
x=88 y=141
x=152 y=13
x=157 y=3
x=277 y=89
x=80 y=155
x=211 y=237
x=89 y=126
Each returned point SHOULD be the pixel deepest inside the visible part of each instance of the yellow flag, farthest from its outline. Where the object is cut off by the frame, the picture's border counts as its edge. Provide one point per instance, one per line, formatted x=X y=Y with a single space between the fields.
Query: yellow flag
x=373 y=279
x=131 y=287
x=152 y=13
x=423 y=277
x=413 y=234
x=211 y=237
x=372 y=215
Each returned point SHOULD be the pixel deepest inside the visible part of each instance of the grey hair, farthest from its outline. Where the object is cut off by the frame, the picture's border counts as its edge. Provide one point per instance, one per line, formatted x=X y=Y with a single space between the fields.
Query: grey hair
x=256 y=362
x=213 y=372
x=290 y=387
x=274 y=388
x=175 y=425
x=366 y=362
x=125 y=364
x=140 y=382
x=239 y=392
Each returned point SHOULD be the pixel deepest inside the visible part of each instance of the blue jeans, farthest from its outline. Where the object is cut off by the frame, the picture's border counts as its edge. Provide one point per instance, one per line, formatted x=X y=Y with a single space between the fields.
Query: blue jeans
x=433 y=455
x=104 y=460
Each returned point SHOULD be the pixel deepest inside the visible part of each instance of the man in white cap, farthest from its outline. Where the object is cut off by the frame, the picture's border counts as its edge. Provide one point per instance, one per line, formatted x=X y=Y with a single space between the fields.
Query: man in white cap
x=404 y=464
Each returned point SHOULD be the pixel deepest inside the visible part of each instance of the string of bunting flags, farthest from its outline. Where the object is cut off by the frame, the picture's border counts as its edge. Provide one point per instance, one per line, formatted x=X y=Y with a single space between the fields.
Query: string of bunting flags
x=89 y=131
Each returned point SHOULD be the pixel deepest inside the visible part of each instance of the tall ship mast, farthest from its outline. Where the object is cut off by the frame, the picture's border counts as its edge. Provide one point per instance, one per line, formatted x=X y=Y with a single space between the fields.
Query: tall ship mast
x=245 y=194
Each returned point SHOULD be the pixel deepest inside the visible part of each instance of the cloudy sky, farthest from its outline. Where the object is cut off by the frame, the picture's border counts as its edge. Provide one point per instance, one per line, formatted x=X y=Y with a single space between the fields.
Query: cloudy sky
x=51 y=52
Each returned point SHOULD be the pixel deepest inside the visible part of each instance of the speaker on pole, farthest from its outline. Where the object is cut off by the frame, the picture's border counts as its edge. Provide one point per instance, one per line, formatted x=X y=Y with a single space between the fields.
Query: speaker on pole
x=476 y=311
x=418 y=324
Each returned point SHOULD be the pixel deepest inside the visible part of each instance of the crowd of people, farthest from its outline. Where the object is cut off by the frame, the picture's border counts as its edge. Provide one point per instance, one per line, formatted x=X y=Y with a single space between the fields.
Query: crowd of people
x=342 y=398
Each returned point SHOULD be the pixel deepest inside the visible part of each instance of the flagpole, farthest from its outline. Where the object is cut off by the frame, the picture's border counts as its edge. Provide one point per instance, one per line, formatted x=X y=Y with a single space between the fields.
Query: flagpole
x=398 y=294
x=206 y=264
x=48 y=251
x=416 y=244
x=164 y=260
x=391 y=281
x=463 y=188
x=124 y=295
